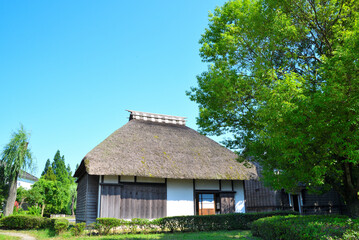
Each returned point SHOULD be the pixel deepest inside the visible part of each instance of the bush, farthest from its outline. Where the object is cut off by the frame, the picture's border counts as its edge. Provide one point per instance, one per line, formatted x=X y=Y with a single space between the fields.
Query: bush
x=34 y=210
x=306 y=227
x=25 y=222
x=104 y=225
x=61 y=225
x=78 y=229
x=231 y=221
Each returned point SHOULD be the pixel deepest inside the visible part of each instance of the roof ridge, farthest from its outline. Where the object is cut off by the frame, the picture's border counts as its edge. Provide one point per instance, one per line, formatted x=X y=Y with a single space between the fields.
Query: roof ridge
x=155 y=117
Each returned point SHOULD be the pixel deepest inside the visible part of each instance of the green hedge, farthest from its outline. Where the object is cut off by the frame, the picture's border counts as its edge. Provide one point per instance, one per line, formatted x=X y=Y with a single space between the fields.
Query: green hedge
x=231 y=221
x=26 y=222
x=306 y=227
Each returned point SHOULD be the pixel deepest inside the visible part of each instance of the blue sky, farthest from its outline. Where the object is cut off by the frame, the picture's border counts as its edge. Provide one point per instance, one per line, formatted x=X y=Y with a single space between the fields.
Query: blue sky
x=70 y=69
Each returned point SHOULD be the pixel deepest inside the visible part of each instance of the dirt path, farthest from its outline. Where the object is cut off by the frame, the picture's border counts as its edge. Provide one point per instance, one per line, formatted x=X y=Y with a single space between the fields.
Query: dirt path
x=15 y=234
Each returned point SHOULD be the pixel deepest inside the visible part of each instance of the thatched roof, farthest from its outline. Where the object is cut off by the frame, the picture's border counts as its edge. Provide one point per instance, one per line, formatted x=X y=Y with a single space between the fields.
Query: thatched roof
x=163 y=149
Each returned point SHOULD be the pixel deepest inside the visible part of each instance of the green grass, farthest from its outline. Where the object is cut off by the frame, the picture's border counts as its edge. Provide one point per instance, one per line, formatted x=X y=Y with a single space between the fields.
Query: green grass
x=244 y=235
x=5 y=237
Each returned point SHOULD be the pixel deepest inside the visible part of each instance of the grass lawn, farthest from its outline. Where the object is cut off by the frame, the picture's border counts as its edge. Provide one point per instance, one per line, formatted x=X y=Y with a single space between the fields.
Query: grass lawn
x=4 y=237
x=244 y=235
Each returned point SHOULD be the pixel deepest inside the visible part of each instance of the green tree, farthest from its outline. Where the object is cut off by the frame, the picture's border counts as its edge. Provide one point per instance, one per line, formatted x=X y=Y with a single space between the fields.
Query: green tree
x=47 y=165
x=283 y=80
x=21 y=195
x=59 y=168
x=15 y=157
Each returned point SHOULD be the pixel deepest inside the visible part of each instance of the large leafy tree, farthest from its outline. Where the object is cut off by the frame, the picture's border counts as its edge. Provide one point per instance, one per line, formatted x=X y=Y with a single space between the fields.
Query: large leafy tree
x=283 y=80
x=15 y=157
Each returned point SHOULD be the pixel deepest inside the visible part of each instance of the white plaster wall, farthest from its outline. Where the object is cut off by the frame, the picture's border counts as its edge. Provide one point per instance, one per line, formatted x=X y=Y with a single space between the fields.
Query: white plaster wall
x=110 y=179
x=26 y=185
x=239 y=196
x=127 y=179
x=207 y=184
x=150 y=180
x=180 y=197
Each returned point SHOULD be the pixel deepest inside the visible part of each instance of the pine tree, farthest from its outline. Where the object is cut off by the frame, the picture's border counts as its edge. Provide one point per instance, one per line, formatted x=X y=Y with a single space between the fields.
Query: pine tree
x=59 y=168
x=47 y=165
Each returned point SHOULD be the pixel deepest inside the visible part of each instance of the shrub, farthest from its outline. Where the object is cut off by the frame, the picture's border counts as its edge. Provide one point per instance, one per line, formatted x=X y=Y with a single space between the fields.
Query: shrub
x=24 y=222
x=34 y=210
x=231 y=221
x=61 y=225
x=78 y=229
x=306 y=227
x=104 y=225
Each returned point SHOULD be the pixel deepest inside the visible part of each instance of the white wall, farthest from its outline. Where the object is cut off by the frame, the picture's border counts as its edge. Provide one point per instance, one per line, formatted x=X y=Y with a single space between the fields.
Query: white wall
x=239 y=196
x=207 y=184
x=180 y=197
x=24 y=183
x=110 y=179
x=150 y=180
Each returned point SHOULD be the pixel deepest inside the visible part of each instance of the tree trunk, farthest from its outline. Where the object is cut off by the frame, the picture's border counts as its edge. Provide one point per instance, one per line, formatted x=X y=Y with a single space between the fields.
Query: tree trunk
x=42 y=209
x=72 y=205
x=10 y=201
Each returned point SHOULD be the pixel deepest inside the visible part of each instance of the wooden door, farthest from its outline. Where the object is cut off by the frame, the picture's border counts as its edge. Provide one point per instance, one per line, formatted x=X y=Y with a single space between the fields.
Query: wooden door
x=227 y=203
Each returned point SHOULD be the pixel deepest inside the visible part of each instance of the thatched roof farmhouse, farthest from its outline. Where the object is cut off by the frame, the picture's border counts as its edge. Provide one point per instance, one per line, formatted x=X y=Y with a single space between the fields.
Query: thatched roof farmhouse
x=156 y=166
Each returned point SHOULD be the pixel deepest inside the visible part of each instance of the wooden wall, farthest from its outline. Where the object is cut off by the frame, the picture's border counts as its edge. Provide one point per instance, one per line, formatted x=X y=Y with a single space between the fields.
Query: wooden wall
x=87 y=198
x=81 y=199
x=134 y=200
x=261 y=199
x=327 y=203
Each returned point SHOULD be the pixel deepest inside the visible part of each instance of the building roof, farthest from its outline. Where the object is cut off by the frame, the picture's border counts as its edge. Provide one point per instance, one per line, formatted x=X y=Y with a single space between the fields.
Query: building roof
x=154 y=145
x=28 y=176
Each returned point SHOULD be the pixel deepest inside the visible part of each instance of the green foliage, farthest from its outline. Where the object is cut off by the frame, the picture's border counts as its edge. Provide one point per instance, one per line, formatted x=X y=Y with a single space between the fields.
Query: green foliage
x=104 y=225
x=47 y=165
x=60 y=170
x=56 y=189
x=25 y=222
x=231 y=221
x=306 y=227
x=78 y=229
x=34 y=210
x=283 y=81
x=15 y=157
x=61 y=225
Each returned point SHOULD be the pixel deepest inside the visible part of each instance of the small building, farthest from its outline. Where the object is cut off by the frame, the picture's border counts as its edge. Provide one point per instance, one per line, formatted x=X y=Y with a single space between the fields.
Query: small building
x=155 y=166
x=26 y=180
x=263 y=199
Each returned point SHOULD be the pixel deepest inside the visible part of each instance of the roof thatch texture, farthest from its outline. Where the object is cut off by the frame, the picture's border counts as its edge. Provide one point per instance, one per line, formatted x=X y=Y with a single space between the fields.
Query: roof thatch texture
x=163 y=150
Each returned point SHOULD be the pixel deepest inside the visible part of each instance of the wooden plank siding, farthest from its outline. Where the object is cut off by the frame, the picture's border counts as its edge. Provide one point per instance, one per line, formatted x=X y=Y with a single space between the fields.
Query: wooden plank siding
x=131 y=200
x=260 y=199
x=81 y=199
x=87 y=198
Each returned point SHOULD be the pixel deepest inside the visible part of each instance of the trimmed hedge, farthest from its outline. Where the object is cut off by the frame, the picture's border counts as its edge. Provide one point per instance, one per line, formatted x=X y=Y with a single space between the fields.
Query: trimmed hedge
x=26 y=222
x=306 y=227
x=233 y=221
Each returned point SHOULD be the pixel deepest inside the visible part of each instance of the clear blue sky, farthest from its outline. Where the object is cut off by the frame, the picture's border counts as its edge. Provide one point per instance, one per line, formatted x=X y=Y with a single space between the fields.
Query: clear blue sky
x=69 y=69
